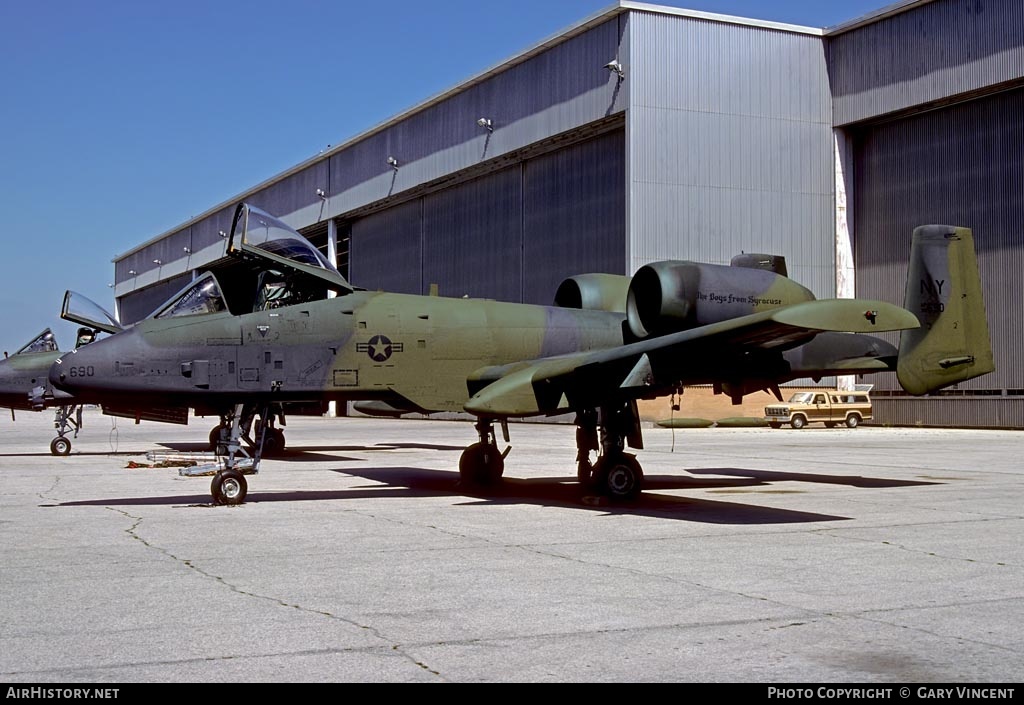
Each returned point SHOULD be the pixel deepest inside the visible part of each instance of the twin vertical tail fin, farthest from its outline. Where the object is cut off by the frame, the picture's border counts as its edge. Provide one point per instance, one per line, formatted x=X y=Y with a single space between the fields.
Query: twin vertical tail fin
x=944 y=292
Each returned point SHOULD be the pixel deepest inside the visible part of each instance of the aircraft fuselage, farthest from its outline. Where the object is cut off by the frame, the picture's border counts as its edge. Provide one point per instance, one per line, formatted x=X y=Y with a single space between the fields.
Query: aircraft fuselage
x=416 y=350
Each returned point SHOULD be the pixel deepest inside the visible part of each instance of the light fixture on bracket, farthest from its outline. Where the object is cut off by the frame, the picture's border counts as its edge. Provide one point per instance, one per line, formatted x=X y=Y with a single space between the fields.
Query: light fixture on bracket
x=132 y=272
x=486 y=123
x=393 y=163
x=321 y=193
x=187 y=250
x=157 y=262
x=615 y=67
x=222 y=233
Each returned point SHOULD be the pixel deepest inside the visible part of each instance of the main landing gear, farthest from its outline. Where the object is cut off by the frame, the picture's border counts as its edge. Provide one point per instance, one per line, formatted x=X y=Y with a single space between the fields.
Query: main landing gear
x=66 y=418
x=481 y=463
x=273 y=439
x=229 y=485
x=607 y=430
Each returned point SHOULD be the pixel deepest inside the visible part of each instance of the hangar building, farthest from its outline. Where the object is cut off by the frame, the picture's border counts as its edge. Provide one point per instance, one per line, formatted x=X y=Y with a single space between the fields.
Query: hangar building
x=708 y=136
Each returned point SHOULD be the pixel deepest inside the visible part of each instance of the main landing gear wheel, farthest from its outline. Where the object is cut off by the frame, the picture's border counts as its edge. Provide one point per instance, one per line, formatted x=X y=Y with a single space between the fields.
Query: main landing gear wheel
x=273 y=443
x=215 y=436
x=228 y=487
x=60 y=446
x=481 y=464
x=619 y=476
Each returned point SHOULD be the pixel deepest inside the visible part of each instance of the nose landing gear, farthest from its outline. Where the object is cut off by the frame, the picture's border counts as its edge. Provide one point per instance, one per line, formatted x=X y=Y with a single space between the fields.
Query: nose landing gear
x=65 y=419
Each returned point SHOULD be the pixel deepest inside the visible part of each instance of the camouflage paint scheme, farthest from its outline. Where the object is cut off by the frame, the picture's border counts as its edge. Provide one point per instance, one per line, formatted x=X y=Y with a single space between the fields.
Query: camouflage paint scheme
x=741 y=328
x=23 y=372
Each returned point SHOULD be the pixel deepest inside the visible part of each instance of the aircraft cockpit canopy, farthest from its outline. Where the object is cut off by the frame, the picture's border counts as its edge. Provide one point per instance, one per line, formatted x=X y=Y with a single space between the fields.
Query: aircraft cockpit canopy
x=257 y=228
x=79 y=309
x=258 y=236
x=44 y=342
x=200 y=297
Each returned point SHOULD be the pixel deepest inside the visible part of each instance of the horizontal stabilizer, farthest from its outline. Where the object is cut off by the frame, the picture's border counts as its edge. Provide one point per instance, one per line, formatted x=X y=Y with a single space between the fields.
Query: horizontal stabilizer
x=841 y=353
x=846 y=315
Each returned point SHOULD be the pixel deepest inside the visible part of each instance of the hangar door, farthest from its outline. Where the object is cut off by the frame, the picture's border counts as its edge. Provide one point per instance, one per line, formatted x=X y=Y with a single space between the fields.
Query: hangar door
x=511 y=234
x=959 y=165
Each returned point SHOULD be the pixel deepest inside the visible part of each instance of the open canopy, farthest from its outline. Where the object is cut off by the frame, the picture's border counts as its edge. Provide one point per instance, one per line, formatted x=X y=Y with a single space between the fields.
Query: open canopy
x=255 y=232
x=82 y=310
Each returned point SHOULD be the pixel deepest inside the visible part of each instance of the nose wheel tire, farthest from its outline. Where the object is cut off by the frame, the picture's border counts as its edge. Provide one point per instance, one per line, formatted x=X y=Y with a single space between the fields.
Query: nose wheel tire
x=60 y=446
x=228 y=487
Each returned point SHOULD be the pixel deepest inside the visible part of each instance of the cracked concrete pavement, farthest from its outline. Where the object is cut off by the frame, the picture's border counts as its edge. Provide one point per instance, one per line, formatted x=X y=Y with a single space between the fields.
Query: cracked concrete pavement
x=868 y=555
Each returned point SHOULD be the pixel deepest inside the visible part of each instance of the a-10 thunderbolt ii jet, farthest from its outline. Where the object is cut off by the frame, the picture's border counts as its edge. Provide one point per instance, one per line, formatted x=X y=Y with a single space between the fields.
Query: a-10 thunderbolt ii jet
x=24 y=376
x=269 y=333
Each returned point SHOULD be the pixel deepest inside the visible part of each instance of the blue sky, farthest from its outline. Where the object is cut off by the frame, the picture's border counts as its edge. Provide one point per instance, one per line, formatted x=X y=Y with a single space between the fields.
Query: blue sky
x=120 y=119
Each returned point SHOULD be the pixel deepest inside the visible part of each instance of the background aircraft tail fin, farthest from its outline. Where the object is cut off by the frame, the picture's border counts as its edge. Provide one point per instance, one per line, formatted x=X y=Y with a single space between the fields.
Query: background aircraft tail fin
x=944 y=292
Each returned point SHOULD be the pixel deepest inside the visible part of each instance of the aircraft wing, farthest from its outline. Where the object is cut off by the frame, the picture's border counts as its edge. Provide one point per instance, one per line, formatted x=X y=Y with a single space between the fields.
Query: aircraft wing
x=746 y=349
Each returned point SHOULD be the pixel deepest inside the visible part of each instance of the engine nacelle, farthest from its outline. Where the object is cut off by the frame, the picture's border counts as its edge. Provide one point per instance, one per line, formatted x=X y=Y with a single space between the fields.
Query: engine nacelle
x=594 y=292
x=666 y=297
x=751 y=260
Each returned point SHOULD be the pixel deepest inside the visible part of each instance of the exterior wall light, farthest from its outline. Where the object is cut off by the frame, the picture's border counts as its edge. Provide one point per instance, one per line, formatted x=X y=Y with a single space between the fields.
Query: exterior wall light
x=615 y=67
x=393 y=163
x=486 y=123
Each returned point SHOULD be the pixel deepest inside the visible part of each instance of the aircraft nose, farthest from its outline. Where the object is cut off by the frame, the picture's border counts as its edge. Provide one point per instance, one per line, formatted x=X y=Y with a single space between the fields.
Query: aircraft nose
x=76 y=370
x=57 y=375
x=9 y=388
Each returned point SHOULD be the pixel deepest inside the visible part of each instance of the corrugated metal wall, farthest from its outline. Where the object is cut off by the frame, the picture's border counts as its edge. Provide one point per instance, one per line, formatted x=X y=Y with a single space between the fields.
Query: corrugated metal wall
x=144 y=301
x=997 y=412
x=941 y=49
x=511 y=235
x=730 y=145
x=473 y=238
x=961 y=165
x=387 y=250
x=559 y=90
x=574 y=215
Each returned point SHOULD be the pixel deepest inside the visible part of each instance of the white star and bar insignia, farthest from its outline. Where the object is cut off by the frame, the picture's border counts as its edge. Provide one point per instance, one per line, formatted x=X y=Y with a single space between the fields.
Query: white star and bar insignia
x=380 y=348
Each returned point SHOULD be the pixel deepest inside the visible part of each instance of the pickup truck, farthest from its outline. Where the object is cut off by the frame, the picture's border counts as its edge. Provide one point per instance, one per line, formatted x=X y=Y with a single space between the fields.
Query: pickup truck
x=830 y=407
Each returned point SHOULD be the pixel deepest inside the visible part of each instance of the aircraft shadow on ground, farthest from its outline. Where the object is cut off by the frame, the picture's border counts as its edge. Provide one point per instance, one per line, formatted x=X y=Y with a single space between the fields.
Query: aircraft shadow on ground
x=559 y=492
x=74 y=453
x=321 y=452
x=768 y=476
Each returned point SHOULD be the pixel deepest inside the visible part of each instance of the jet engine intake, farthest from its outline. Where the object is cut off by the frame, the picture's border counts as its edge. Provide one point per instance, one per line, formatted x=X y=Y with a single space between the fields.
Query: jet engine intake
x=594 y=292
